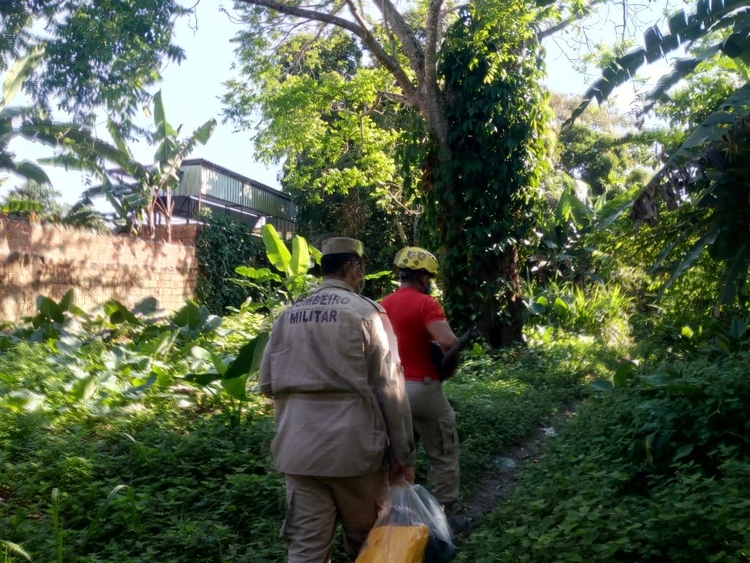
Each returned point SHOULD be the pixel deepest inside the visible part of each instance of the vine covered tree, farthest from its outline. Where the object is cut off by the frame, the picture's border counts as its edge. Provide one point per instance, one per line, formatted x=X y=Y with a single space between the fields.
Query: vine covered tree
x=465 y=83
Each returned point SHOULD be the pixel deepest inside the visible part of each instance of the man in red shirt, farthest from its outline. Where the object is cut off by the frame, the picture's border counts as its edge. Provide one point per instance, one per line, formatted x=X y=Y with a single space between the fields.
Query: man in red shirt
x=418 y=319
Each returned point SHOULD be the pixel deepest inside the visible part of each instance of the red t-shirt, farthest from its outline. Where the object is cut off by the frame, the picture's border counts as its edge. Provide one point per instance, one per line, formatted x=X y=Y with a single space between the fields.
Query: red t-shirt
x=410 y=311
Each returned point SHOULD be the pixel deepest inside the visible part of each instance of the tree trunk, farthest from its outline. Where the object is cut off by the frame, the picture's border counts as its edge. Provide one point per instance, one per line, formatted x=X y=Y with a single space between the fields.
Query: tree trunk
x=482 y=288
x=501 y=320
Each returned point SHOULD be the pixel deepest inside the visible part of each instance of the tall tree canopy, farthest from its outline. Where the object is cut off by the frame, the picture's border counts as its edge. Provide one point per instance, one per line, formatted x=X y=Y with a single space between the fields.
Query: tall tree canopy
x=463 y=83
x=97 y=53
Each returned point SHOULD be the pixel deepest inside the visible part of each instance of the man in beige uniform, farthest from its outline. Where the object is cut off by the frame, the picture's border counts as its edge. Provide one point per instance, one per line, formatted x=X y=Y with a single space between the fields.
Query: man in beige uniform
x=343 y=424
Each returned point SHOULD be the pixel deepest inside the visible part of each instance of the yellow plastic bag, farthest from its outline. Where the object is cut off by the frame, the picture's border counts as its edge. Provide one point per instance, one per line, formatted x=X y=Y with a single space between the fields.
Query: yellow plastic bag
x=391 y=544
x=412 y=528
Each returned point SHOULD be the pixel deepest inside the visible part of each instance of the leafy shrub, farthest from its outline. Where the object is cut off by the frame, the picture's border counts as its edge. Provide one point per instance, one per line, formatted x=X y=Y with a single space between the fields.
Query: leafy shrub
x=656 y=470
x=598 y=310
x=155 y=486
x=221 y=246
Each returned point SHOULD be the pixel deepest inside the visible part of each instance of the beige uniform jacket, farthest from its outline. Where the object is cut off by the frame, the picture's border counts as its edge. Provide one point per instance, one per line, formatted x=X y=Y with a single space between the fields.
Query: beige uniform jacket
x=341 y=403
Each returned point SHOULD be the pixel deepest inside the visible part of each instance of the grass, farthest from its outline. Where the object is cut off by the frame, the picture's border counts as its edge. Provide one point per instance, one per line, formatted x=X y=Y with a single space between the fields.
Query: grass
x=656 y=469
x=156 y=482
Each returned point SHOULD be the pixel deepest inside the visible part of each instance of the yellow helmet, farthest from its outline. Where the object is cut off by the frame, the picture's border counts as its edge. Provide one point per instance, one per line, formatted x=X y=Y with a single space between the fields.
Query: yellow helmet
x=415 y=258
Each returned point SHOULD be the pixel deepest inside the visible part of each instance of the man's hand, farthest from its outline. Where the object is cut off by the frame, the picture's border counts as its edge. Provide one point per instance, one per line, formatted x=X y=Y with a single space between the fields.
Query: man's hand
x=397 y=471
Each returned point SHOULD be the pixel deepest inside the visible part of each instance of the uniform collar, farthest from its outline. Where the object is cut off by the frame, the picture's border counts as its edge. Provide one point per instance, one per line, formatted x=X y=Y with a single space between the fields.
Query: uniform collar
x=332 y=282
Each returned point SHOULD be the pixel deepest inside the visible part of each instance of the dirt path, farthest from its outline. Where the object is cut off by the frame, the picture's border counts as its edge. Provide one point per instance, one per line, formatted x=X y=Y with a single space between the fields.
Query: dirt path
x=497 y=484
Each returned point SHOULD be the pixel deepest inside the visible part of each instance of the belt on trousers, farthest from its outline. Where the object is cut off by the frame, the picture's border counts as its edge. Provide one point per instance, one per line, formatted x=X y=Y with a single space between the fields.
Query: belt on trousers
x=425 y=379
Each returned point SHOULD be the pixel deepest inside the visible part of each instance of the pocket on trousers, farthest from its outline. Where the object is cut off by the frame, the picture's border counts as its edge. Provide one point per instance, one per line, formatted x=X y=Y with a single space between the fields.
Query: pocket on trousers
x=285 y=527
x=449 y=435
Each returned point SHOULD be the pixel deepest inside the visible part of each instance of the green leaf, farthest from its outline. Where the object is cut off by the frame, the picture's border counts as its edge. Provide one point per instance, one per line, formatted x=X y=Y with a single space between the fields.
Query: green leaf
x=204 y=132
x=300 y=261
x=203 y=379
x=49 y=309
x=259 y=274
x=691 y=257
x=623 y=373
x=378 y=275
x=189 y=316
x=211 y=323
x=276 y=251
x=736 y=273
x=562 y=309
x=236 y=387
x=15 y=548
x=119 y=313
x=84 y=389
x=316 y=254
x=67 y=300
x=200 y=353
x=683 y=452
x=218 y=363
x=145 y=386
x=249 y=357
x=160 y=347
x=18 y=73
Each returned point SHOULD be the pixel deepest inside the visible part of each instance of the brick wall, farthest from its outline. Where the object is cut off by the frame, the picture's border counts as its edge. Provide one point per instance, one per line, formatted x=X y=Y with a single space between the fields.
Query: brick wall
x=49 y=260
x=181 y=233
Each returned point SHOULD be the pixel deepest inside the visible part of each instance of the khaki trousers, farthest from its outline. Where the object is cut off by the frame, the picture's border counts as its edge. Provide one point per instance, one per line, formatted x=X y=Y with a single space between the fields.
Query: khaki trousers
x=313 y=504
x=435 y=426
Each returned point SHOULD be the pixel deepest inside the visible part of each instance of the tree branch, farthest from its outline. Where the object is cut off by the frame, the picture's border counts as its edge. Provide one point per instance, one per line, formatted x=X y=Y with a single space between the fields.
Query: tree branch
x=308 y=15
x=384 y=58
x=359 y=29
x=430 y=56
x=406 y=36
x=585 y=11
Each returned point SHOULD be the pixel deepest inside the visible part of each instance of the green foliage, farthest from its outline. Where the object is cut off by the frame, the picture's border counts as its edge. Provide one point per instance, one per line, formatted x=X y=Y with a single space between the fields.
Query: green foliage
x=95 y=54
x=128 y=435
x=690 y=104
x=651 y=471
x=168 y=479
x=223 y=245
x=277 y=291
x=160 y=485
x=323 y=112
x=44 y=195
x=705 y=176
x=597 y=310
x=594 y=157
x=705 y=30
x=478 y=214
x=65 y=360
x=137 y=192
x=9 y=116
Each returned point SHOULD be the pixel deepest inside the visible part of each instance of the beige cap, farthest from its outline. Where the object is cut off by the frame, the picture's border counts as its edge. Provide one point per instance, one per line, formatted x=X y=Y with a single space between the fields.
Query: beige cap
x=341 y=245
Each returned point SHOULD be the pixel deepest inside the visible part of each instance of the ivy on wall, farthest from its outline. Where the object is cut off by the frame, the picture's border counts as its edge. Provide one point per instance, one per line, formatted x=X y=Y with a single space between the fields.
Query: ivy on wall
x=222 y=245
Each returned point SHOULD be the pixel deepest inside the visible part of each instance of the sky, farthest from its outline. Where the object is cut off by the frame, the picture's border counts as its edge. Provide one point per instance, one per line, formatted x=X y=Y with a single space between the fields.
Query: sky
x=191 y=93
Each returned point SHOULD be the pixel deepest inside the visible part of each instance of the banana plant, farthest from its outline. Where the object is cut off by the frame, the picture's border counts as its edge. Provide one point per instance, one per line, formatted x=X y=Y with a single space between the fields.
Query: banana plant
x=137 y=192
x=292 y=280
x=708 y=22
x=10 y=116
